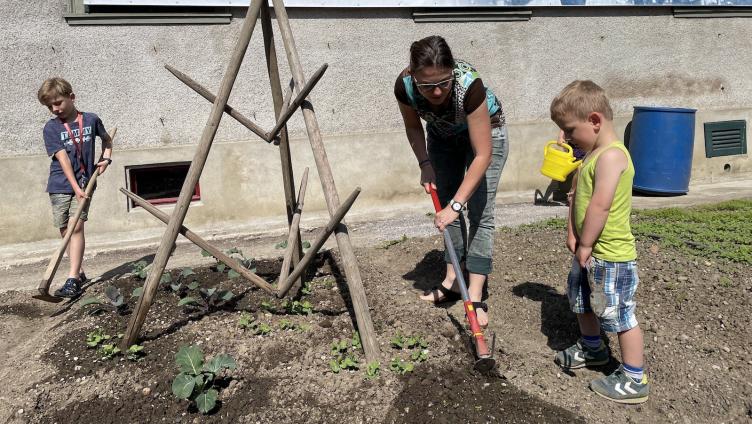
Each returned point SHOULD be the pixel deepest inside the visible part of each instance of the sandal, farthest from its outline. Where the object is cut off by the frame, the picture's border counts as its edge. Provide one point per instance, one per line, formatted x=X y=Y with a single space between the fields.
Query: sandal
x=481 y=305
x=447 y=294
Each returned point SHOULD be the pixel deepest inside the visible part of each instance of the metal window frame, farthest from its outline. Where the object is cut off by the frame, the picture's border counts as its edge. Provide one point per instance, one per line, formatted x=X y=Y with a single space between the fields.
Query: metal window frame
x=132 y=184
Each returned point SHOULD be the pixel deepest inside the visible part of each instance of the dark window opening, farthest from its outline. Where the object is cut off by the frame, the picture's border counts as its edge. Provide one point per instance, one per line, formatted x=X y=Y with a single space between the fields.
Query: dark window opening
x=159 y=183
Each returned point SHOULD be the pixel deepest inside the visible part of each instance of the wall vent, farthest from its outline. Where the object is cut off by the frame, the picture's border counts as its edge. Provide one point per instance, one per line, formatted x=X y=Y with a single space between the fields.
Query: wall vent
x=725 y=138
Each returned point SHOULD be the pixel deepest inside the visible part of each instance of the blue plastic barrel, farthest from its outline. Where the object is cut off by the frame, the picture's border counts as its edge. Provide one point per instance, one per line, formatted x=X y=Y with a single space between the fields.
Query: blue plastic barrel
x=661 y=144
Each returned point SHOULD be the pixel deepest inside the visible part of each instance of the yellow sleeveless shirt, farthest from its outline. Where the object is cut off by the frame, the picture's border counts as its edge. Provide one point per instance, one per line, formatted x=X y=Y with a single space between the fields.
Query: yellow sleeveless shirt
x=616 y=242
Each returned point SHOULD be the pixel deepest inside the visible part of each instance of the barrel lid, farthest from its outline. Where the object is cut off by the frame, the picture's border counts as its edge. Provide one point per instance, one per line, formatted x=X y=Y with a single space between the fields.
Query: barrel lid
x=665 y=109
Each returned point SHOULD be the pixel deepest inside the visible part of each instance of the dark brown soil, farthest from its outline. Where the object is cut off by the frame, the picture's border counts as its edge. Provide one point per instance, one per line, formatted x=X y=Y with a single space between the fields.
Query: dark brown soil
x=695 y=314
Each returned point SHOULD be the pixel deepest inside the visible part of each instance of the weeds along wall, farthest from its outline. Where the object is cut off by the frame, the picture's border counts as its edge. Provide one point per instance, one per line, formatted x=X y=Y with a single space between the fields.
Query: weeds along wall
x=641 y=56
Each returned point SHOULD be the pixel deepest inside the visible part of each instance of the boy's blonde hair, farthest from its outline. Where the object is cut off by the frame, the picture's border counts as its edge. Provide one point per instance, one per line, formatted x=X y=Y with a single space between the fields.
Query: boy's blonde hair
x=52 y=88
x=578 y=99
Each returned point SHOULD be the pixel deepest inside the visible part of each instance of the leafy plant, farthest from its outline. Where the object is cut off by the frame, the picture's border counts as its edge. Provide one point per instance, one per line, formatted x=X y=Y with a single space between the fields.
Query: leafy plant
x=137 y=292
x=114 y=302
x=140 y=269
x=267 y=306
x=389 y=243
x=298 y=308
x=196 y=380
x=237 y=255
x=210 y=300
x=344 y=357
x=373 y=370
x=109 y=350
x=307 y=288
x=248 y=322
x=419 y=355
x=286 y=325
x=134 y=352
x=356 y=344
x=96 y=337
x=401 y=367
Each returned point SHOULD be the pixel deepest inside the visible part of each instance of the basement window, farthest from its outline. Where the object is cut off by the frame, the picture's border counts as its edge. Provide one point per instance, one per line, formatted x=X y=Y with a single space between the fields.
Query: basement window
x=160 y=183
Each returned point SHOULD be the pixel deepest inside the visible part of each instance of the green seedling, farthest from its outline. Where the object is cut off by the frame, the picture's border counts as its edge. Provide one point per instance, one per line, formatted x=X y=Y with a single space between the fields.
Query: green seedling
x=211 y=299
x=286 y=325
x=109 y=350
x=237 y=255
x=356 y=344
x=96 y=337
x=267 y=306
x=344 y=355
x=389 y=243
x=726 y=282
x=135 y=352
x=298 y=308
x=419 y=355
x=248 y=322
x=398 y=341
x=372 y=370
x=140 y=269
x=401 y=367
x=281 y=245
x=137 y=292
x=196 y=380
x=307 y=288
x=113 y=302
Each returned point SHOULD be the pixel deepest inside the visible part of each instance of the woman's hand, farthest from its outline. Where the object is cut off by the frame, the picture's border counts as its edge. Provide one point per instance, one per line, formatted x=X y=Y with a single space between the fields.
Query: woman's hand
x=445 y=217
x=427 y=178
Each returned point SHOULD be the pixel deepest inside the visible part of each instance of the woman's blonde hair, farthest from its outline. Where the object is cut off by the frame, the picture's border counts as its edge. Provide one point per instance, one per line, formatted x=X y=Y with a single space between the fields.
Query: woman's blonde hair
x=52 y=88
x=578 y=99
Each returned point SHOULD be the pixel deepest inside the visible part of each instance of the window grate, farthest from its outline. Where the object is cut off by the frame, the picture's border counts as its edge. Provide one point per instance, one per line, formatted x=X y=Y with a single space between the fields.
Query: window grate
x=725 y=138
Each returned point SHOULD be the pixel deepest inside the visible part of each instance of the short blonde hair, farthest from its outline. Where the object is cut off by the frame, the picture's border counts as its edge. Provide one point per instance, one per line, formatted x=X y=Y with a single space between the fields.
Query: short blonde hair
x=578 y=99
x=52 y=88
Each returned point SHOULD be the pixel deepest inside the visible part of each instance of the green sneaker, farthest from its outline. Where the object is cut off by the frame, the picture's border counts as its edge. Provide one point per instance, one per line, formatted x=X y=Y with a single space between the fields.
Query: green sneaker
x=619 y=387
x=578 y=355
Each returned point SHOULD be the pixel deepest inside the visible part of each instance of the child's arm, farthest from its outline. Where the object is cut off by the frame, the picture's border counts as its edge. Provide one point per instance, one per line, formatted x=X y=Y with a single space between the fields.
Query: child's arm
x=571 y=235
x=65 y=164
x=611 y=163
x=106 y=152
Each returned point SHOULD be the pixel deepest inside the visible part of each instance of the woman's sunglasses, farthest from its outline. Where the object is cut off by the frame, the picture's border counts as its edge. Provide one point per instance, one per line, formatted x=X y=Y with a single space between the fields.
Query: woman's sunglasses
x=430 y=86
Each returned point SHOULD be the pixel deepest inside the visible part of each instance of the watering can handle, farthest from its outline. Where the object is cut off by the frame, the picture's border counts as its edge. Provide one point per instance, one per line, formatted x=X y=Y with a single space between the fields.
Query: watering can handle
x=565 y=145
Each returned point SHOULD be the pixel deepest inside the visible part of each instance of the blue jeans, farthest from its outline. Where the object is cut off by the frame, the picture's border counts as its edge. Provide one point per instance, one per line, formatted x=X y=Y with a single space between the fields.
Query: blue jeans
x=450 y=158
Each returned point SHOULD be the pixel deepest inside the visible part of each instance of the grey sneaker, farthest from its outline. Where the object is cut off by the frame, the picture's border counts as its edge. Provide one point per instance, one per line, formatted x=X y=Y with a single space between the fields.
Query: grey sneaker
x=578 y=355
x=619 y=387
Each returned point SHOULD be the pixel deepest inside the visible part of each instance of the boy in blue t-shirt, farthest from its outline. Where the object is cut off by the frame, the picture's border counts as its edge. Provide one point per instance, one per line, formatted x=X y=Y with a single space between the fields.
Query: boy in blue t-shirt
x=69 y=140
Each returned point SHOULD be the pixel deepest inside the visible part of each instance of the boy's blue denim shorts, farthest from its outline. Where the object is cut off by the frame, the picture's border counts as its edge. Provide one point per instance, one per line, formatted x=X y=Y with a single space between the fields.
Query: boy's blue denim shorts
x=64 y=206
x=607 y=289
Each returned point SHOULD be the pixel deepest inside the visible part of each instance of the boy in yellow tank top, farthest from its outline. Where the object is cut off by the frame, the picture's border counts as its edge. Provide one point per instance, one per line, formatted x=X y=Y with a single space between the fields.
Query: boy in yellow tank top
x=603 y=280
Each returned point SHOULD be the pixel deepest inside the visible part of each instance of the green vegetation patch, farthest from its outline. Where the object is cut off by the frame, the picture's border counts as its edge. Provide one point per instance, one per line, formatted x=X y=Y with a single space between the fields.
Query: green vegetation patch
x=722 y=230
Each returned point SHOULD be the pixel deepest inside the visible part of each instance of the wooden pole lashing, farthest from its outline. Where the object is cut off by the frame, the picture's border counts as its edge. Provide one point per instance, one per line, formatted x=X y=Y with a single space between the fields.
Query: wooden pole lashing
x=334 y=223
x=294 y=234
x=350 y=264
x=203 y=92
x=290 y=110
x=194 y=172
x=200 y=242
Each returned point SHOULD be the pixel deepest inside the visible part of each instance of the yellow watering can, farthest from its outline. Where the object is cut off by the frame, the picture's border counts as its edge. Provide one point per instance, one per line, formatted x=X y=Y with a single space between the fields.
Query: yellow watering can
x=558 y=164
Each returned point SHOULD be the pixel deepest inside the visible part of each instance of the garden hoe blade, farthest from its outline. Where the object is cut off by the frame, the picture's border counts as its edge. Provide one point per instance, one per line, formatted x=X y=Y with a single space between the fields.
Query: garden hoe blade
x=484 y=356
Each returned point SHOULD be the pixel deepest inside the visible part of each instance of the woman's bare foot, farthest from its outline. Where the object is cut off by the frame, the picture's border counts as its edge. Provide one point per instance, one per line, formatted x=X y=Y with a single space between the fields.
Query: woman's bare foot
x=482 y=317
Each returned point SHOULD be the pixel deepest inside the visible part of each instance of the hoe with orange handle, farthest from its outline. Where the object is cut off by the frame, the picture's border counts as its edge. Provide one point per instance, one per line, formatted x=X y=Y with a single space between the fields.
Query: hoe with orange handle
x=485 y=361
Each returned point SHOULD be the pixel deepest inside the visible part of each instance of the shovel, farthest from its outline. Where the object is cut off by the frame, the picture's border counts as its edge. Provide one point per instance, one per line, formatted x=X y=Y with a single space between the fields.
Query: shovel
x=485 y=361
x=49 y=273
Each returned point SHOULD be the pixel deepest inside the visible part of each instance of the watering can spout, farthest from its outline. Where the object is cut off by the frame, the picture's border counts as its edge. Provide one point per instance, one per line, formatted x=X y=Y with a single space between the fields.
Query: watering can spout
x=558 y=164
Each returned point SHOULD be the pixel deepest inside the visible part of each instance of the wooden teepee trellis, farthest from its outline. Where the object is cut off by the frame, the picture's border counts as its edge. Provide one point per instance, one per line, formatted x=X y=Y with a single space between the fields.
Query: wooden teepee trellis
x=284 y=107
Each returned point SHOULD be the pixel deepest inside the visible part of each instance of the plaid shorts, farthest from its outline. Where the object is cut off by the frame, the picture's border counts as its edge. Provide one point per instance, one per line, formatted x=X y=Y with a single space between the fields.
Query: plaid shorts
x=607 y=289
x=64 y=206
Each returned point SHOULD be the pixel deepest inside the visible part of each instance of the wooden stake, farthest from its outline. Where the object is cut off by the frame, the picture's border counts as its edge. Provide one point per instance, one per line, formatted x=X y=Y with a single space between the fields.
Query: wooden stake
x=194 y=172
x=334 y=222
x=201 y=90
x=287 y=114
x=198 y=241
x=294 y=236
x=349 y=262
x=285 y=157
